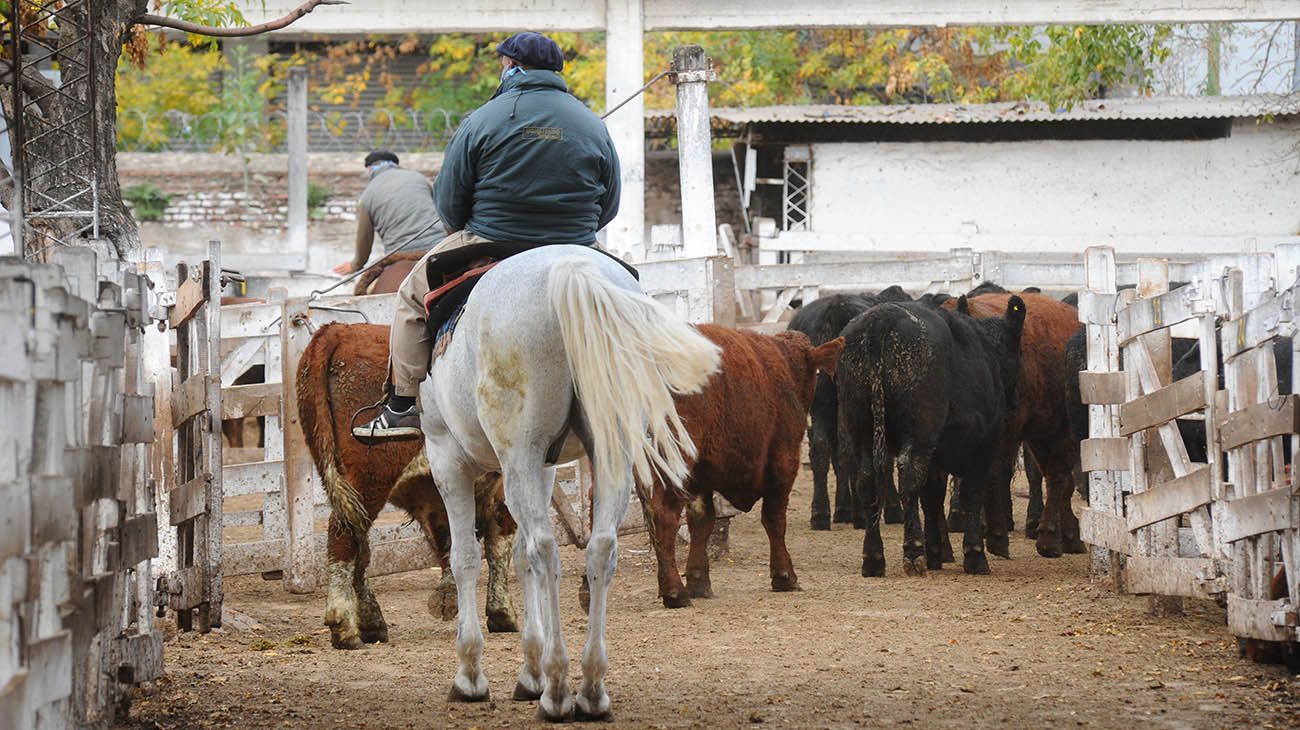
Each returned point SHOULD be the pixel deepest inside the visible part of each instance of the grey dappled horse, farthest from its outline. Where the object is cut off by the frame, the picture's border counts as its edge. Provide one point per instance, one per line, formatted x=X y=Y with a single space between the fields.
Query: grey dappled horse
x=557 y=352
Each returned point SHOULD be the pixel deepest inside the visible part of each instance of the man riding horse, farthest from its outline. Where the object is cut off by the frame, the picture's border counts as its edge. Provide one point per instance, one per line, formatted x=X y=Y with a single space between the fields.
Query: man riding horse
x=531 y=167
x=398 y=205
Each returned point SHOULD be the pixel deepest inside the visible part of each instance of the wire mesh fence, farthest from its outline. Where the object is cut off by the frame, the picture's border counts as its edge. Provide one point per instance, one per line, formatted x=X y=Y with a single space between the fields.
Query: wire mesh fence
x=334 y=130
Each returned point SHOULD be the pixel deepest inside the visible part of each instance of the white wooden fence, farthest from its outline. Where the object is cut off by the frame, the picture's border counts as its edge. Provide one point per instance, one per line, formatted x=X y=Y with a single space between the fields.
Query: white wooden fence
x=1161 y=524
x=77 y=522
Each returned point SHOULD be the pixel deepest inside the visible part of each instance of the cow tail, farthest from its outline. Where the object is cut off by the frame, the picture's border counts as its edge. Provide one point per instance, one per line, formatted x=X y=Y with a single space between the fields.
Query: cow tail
x=880 y=461
x=316 y=413
x=628 y=355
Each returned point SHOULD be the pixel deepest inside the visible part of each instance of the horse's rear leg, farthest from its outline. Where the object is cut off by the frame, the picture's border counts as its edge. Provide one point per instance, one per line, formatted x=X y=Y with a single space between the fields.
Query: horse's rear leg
x=456 y=485
x=609 y=503
x=528 y=495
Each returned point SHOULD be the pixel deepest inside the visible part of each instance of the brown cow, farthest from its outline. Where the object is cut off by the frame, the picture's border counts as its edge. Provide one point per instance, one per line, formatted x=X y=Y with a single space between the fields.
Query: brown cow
x=337 y=375
x=748 y=425
x=1041 y=421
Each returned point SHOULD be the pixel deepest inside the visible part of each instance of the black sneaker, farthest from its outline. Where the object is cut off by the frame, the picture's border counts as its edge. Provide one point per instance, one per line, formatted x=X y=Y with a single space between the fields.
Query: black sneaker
x=390 y=425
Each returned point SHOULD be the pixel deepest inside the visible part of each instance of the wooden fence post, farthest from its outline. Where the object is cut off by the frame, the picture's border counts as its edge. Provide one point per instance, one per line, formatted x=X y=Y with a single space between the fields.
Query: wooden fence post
x=1104 y=496
x=694 y=152
x=301 y=574
x=297 y=142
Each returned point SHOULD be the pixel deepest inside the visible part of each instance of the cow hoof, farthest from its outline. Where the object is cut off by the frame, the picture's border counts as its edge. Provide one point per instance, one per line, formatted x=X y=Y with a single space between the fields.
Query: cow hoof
x=677 y=600
x=999 y=545
x=820 y=524
x=893 y=516
x=1074 y=546
x=975 y=564
x=1031 y=529
x=1047 y=546
x=464 y=690
x=442 y=602
x=914 y=567
x=524 y=693
x=700 y=590
x=933 y=562
x=785 y=584
x=376 y=635
x=956 y=521
x=873 y=567
x=945 y=553
x=350 y=641
x=501 y=622
x=549 y=711
x=842 y=518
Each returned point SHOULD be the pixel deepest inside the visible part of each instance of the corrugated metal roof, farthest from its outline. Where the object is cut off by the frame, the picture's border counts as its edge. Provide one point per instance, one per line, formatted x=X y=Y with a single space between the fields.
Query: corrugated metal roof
x=1148 y=108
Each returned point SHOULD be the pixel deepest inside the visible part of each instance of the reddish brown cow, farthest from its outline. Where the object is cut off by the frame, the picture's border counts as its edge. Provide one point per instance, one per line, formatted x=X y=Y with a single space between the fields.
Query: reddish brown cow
x=748 y=426
x=1041 y=420
x=337 y=375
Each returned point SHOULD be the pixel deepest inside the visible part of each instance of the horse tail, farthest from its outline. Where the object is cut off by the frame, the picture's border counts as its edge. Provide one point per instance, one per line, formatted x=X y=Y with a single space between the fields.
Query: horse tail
x=316 y=414
x=628 y=355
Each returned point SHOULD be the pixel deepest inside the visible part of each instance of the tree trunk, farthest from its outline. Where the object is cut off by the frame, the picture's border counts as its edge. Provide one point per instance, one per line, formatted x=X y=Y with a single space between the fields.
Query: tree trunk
x=60 y=120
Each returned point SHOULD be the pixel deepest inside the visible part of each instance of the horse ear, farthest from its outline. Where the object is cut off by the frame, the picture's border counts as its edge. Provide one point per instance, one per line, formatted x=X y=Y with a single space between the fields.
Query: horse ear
x=827 y=357
x=963 y=307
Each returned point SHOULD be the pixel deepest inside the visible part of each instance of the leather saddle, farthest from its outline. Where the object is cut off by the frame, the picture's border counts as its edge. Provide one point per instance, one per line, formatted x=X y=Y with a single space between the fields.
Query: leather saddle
x=453 y=274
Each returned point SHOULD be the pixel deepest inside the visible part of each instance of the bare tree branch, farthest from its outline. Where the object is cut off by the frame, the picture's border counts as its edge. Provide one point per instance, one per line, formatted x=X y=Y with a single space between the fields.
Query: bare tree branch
x=290 y=18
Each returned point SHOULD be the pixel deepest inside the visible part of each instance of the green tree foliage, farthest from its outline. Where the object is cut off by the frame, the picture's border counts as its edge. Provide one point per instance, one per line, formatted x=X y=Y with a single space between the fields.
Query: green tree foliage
x=176 y=77
x=1057 y=64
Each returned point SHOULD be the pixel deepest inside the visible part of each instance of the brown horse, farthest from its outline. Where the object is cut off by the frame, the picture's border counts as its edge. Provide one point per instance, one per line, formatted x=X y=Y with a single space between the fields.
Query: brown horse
x=386 y=278
x=336 y=377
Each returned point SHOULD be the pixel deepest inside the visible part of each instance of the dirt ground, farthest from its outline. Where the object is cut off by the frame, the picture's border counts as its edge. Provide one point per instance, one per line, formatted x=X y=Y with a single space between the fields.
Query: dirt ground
x=1033 y=644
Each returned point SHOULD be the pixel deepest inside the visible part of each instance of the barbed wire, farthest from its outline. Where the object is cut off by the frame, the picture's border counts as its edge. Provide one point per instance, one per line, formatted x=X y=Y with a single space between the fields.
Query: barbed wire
x=330 y=130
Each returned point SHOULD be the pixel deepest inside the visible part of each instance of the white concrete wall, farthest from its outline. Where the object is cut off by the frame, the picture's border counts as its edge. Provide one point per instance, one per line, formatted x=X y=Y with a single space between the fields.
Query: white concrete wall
x=1241 y=193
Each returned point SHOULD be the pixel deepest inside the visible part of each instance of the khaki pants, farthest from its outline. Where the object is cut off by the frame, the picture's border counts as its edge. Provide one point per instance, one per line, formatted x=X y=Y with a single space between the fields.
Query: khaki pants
x=409 y=343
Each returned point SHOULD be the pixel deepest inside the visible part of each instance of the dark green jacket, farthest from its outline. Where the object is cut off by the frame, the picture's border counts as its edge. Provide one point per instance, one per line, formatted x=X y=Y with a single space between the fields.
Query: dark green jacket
x=533 y=165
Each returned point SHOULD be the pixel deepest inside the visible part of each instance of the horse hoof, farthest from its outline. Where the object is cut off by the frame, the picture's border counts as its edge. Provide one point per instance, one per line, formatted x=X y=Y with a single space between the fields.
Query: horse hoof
x=462 y=694
x=975 y=564
x=820 y=524
x=1074 y=546
x=785 y=584
x=584 y=711
x=547 y=711
x=375 y=636
x=523 y=693
x=914 y=567
x=350 y=641
x=677 y=600
x=873 y=567
x=999 y=545
x=501 y=622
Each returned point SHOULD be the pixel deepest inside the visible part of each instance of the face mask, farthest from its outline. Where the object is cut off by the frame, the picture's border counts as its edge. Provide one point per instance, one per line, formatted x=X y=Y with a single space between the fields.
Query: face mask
x=508 y=72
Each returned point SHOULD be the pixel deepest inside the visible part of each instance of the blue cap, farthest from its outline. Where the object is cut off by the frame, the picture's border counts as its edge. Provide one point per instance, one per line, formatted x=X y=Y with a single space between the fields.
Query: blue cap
x=533 y=49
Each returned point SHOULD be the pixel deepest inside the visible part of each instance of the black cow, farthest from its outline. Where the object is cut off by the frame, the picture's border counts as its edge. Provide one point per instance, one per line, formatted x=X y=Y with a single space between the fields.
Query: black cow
x=931 y=387
x=822 y=320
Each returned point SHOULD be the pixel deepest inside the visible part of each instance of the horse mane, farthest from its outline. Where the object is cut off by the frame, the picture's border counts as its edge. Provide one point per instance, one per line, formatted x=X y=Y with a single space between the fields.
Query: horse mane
x=373 y=273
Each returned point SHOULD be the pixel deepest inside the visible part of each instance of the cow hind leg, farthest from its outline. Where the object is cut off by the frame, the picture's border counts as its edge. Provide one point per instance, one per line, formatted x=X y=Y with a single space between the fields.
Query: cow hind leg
x=819 y=454
x=893 y=503
x=974 y=561
x=371 y=624
x=913 y=471
x=780 y=567
x=936 y=527
x=416 y=493
x=342 y=609
x=699 y=520
x=956 y=517
x=498 y=545
x=663 y=515
x=1034 y=476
